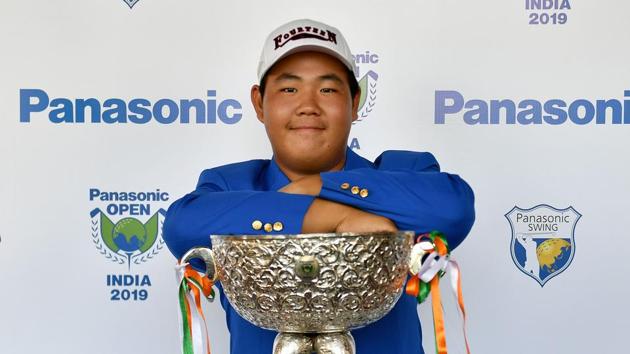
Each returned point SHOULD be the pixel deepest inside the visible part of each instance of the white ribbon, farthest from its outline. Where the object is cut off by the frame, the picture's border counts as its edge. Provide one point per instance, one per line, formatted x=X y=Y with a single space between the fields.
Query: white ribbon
x=436 y=265
x=452 y=270
x=432 y=266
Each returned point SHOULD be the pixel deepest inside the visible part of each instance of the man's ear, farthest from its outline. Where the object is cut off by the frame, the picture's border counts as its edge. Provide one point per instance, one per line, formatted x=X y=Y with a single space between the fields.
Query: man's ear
x=355 y=104
x=257 y=102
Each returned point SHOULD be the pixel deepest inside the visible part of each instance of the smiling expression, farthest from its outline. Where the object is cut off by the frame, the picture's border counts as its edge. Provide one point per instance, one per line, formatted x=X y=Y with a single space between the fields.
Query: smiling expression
x=307 y=110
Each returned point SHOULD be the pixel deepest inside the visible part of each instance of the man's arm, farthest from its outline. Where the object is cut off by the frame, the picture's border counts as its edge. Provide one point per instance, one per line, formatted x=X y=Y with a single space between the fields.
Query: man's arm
x=215 y=209
x=407 y=188
x=420 y=201
x=328 y=216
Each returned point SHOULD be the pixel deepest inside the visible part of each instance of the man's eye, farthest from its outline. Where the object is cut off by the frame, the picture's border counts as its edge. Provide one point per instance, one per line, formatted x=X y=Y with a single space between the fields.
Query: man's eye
x=328 y=90
x=289 y=90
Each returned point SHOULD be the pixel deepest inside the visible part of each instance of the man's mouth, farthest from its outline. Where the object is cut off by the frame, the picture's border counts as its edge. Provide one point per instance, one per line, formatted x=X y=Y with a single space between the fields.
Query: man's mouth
x=306 y=127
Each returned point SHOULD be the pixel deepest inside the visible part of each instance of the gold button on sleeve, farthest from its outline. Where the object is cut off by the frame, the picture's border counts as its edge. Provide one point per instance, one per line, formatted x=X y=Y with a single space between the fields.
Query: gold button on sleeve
x=354 y=190
x=363 y=193
x=268 y=227
x=345 y=185
x=277 y=226
x=257 y=225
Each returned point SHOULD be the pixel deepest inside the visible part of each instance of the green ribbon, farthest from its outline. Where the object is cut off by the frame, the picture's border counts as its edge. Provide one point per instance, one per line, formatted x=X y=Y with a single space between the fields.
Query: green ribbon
x=187 y=340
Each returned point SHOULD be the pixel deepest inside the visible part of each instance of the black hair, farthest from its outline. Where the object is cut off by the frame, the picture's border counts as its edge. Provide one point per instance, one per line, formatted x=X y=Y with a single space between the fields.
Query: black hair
x=352 y=81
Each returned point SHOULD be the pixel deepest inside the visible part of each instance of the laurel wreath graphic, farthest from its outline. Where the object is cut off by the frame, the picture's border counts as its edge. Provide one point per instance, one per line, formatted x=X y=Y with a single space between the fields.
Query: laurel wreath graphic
x=101 y=248
x=369 y=105
x=153 y=251
x=131 y=3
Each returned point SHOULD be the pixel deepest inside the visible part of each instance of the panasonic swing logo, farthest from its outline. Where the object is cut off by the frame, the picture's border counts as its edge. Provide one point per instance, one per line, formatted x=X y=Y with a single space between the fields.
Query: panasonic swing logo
x=543 y=240
x=127 y=232
x=36 y=104
x=451 y=105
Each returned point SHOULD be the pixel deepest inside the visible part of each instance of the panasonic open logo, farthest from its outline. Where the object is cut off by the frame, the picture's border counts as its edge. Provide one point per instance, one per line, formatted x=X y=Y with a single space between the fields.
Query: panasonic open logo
x=35 y=104
x=452 y=106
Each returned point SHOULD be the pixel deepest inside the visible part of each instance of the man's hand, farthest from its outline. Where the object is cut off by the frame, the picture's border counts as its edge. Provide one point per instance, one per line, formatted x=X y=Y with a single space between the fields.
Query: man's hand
x=327 y=216
x=309 y=185
x=361 y=221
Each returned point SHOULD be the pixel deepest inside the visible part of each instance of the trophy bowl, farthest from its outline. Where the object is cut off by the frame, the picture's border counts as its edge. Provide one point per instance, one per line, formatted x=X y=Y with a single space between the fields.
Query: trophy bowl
x=307 y=284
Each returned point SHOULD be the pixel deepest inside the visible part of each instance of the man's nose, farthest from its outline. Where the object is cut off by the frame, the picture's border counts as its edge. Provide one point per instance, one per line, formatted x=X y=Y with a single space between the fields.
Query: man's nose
x=309 y=104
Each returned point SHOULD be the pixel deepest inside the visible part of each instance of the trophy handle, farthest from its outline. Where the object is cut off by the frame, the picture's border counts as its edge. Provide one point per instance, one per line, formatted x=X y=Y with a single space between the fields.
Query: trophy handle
x=207 y=256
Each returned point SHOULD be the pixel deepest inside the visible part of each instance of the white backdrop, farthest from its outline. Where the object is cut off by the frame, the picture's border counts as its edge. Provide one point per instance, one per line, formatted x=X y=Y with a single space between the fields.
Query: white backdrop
x=55 y=295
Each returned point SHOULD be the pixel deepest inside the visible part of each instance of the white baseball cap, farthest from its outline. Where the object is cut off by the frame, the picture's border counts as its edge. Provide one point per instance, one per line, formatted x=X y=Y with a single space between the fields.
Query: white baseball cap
x=302 y=35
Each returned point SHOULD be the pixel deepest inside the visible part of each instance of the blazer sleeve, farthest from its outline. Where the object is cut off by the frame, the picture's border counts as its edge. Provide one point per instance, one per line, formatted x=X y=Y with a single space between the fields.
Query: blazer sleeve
x=214 y=209
x=409 y=189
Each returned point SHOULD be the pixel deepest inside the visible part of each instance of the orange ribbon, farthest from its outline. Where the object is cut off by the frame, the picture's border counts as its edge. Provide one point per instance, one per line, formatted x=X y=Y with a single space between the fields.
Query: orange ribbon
x=194 y=284
x=460 y=301
x=438 y=315
x=413 y=286
x=205 y=282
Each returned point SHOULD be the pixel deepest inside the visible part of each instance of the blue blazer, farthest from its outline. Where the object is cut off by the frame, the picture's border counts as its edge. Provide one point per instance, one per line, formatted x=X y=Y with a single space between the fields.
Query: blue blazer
x=406 y=187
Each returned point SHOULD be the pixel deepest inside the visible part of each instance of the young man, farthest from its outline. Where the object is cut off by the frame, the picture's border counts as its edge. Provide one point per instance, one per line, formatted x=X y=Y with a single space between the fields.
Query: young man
x=307 y=99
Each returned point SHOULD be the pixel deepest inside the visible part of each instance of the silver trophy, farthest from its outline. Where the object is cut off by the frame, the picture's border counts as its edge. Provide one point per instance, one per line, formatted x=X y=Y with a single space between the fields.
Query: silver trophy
x=311 y=288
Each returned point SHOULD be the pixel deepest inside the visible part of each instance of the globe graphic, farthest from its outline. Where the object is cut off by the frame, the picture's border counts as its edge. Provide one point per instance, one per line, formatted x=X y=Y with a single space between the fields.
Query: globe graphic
x=553 y=253
x=129 y=234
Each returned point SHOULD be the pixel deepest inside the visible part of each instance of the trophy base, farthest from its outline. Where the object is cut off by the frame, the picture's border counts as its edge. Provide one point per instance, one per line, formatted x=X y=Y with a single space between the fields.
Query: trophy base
x=325 y=343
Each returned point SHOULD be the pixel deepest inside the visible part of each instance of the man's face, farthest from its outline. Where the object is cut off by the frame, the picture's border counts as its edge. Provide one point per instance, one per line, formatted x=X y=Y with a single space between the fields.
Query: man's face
x=307 y=110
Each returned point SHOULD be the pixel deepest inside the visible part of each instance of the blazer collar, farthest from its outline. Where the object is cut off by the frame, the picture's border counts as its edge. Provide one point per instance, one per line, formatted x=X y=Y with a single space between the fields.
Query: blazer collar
x=274 y=177
x=354 y=161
